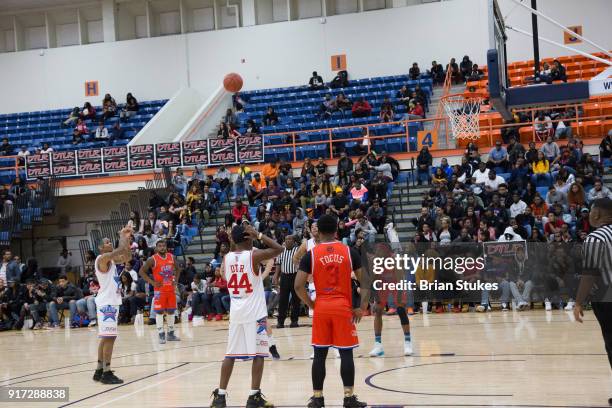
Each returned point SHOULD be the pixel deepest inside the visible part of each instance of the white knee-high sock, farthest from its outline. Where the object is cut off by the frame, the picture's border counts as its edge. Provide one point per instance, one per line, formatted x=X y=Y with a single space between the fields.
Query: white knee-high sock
x=170 y=323
x=159 y=322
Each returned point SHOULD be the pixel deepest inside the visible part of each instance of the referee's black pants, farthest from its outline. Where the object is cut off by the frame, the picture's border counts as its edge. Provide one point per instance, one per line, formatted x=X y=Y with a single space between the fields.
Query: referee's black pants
x=603 y=313
x=287 y=281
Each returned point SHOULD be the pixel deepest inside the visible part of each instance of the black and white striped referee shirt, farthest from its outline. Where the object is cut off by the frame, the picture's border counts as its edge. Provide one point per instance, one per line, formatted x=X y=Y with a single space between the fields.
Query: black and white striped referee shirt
x=285 y=260
x=598 y=253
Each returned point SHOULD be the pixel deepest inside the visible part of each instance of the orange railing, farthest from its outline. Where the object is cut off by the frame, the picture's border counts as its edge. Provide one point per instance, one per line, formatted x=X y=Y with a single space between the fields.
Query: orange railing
x=592 y=125
x=14 y=167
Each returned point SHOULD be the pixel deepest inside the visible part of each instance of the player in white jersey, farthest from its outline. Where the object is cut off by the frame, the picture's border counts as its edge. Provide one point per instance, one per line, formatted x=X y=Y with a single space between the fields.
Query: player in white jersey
x=248 y=312
x=108 y=300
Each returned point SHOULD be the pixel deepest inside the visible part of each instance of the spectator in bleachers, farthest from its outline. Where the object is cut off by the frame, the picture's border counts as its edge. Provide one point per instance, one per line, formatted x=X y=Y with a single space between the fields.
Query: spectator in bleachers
x=88 y=112
x=17 y=189
x=424 y=161
x=101 y=132
x=23 y=153
x=72 y=117
x=508 y=132
x=545 y=74
x=130 y=109
x=116 y=133
x=78 y=135
x=343 y=103
x=46 y=149
x=498 y=158
x=403 y=95
x=340 y=80
x=5 y=148
x=414 y=72
x=220 y=297
x=224 y=131
x=64 y=298
x=364 y=226
x=551 y=150
x=230 y=119
x=316 y=82
x=515 y=150
x=270 y=171
x=243 y=179
x=437 y=73
x=109 y=107
x=223 y=176
x=415 y=111
x=455 y=74
x=270 y=118
x=543 y=126
x=558 y=71
x=554 y=197
x=179 y=181
x=466 y=68
x=518 y=206
x=598 y=191
x=251 y=128
x=327 y=108
x=540 y=169
x=376 y=215
x=344 y=163
x=576 y=198
x=439 y=177
x=562 y=129
x=386 y=111
x=361 y=108
x=475 y=74
x=257 y=189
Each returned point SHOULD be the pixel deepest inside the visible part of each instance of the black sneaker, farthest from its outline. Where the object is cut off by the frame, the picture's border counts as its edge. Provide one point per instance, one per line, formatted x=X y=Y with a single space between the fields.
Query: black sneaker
x=172 y=337
x=353 y=402
x=109 y=378
x=258 y=401
x=97 y=374
x=218 y=400
x=316 y=402
x=274 y=353
x=162 y=338
x=280 y=325
x=294 y=325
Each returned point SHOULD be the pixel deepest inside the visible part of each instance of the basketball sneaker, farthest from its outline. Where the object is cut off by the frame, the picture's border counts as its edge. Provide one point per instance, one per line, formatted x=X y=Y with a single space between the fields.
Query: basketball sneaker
x=108 y=377
x=172 y=337
x=97 y=374
x=547 y=305
x=218 y=400
x=274 y=353
x=258 y=401
x=162 y=338
x=570 y=306
x=316 y=402
x=353 y=402
x=504 y=307
x=407 y=348
x=377 y=351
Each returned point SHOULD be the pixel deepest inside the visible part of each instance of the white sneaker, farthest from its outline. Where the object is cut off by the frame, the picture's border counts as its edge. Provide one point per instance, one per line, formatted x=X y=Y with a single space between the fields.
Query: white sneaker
x=480 y=308
x=377 y=351
x=407 y=348
x=570 y=306
x=93 y=323
x=547 y=305
x=523 y=305
x=504 y=307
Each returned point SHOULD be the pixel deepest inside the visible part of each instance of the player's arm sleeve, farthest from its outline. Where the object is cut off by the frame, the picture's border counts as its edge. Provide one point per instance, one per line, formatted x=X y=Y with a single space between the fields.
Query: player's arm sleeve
x=306 y=263
x=355 y=259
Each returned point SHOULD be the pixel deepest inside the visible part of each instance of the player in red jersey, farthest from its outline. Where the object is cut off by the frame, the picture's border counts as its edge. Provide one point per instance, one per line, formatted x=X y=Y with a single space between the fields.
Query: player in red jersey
x=165 y=277
x=336 y=308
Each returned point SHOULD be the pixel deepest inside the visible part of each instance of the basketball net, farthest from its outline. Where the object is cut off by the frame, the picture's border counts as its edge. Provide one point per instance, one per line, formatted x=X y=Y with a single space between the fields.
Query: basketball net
x=464 y=116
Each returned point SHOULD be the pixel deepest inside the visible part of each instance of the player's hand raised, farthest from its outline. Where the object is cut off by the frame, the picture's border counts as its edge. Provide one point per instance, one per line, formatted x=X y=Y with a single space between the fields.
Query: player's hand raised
x=250 y=231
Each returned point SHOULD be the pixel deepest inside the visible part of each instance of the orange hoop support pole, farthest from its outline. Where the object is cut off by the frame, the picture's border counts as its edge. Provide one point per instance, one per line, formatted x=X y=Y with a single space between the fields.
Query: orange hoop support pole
x=294 y=149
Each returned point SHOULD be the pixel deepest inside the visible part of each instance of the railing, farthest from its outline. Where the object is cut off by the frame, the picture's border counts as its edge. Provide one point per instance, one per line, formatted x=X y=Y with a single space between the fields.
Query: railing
x=15 y=168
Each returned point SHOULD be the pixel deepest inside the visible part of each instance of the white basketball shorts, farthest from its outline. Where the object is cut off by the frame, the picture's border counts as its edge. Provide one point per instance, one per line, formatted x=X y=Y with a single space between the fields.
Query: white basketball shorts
x=107 y=320
x=248 y=340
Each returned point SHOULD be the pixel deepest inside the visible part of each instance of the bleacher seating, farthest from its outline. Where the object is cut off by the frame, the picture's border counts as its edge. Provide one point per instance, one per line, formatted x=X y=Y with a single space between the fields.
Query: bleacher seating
x=32 y=129
x=298 y=110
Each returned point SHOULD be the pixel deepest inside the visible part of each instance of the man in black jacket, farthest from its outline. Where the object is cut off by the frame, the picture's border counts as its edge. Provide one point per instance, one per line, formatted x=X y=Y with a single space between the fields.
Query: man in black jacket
x=345 y=163
x=65 y=298
x=424 y=161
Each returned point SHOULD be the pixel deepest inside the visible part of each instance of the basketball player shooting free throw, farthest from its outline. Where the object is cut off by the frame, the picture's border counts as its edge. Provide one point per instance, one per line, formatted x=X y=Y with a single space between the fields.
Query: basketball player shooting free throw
x=248 y=312
x=108 y=301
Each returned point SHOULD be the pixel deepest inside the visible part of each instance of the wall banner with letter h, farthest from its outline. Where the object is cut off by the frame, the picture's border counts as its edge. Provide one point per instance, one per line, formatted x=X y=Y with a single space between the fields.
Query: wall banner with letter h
x=91 y=88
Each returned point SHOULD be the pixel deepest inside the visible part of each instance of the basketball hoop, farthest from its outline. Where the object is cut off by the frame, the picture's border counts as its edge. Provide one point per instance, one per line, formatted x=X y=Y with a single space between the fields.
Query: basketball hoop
x=464 y=115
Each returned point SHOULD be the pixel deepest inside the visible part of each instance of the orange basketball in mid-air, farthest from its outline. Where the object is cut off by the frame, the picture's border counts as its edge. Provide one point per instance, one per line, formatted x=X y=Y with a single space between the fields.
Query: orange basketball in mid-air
x=232 y=82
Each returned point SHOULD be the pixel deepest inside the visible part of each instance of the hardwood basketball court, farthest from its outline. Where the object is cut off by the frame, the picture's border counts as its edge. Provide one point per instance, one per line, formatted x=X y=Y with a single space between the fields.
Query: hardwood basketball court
x=500 y=359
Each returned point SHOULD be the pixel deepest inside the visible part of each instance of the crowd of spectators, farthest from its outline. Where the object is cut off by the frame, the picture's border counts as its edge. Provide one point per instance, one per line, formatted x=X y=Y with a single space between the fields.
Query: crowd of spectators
x=537 y=195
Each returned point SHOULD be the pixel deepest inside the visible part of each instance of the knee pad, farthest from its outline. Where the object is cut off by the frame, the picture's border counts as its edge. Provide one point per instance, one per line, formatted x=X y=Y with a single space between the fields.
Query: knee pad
x=401 y=312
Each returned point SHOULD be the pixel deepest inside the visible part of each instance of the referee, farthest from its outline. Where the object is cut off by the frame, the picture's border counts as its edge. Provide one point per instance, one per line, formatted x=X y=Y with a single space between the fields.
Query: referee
x=287 y=271
x=597 y=271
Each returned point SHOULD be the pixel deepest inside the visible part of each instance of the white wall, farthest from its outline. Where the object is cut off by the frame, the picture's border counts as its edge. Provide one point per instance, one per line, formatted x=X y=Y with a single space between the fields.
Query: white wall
x=592 y=15
x=382 y=42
